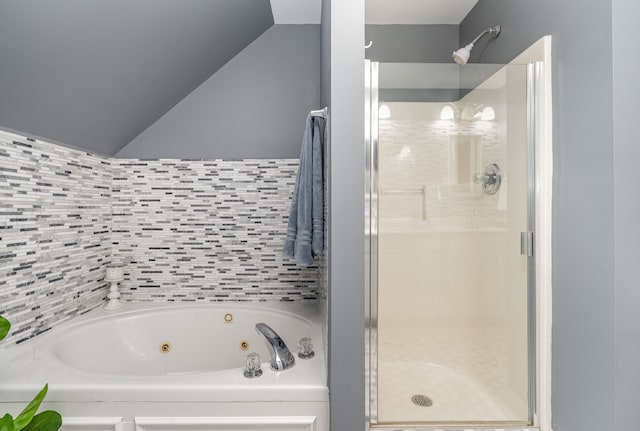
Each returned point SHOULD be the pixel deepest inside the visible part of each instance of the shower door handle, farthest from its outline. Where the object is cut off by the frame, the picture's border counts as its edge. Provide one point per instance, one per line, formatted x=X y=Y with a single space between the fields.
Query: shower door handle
x=526 y=243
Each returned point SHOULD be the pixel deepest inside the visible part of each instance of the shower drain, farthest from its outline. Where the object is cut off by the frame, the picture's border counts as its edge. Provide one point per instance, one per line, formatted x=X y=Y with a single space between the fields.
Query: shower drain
x=421 y=400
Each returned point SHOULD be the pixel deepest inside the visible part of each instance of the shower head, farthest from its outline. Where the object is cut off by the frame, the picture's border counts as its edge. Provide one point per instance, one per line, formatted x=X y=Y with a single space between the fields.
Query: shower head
x=461 y=56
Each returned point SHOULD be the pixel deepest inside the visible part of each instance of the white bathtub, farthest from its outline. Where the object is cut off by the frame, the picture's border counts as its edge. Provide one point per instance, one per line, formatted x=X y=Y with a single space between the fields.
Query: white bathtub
x=106 y=370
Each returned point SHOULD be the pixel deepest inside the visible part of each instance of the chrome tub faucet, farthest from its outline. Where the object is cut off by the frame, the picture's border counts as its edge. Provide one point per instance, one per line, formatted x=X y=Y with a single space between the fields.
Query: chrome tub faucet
x=281 y=356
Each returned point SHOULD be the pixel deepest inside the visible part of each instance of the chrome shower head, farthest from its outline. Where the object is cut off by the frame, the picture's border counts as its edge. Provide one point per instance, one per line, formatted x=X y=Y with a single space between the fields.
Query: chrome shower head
x=462 y=55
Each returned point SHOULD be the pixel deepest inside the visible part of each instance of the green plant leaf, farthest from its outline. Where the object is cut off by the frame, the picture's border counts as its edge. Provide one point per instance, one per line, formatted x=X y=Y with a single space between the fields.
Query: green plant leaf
x=45 y=421
x=29 y=412
x=6 y=423
x=4 y=327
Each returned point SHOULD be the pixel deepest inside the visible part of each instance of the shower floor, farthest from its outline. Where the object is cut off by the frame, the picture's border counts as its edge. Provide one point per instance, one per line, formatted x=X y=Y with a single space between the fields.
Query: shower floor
x=462 y=370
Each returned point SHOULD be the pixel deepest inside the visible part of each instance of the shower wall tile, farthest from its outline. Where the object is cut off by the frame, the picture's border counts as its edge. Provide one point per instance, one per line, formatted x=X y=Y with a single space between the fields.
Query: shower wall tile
x=55 y=223
x=416 y=150
x=206 y=231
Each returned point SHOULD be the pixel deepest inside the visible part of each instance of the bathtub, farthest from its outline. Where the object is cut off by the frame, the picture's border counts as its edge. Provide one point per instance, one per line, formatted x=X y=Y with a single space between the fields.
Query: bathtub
x=172 y=367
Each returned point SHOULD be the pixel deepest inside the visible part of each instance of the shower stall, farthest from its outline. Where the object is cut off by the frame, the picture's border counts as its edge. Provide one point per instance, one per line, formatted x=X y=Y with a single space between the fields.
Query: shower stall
x=450 y=225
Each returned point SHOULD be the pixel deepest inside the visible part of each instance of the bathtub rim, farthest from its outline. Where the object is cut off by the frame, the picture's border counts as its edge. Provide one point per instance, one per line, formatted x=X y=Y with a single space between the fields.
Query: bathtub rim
x=133 y=310
x=23 y=372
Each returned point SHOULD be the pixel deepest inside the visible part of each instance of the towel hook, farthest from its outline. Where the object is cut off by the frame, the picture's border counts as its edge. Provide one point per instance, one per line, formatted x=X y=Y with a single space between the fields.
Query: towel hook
x=367 y=46
x=322 y=113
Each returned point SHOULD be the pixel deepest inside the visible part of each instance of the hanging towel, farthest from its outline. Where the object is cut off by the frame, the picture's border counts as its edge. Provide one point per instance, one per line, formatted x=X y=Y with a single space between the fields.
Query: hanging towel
x=305 y=231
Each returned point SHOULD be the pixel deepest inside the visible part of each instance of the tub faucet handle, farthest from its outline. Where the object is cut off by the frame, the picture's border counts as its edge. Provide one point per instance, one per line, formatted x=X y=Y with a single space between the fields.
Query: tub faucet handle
x=252 y=366
x=306 y=348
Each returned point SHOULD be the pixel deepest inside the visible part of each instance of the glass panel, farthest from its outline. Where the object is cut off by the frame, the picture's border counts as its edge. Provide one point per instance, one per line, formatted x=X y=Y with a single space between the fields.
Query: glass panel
x=452 y=293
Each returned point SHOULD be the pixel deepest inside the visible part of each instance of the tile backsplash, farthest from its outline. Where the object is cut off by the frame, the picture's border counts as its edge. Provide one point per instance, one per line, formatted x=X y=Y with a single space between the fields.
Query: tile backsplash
x=188 y=231
x=206 y=231
x=55 y=222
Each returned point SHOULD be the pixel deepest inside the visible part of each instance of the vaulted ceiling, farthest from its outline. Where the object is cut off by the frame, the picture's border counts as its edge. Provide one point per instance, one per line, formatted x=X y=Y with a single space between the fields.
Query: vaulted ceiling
x=417 y=11
x=95 y=73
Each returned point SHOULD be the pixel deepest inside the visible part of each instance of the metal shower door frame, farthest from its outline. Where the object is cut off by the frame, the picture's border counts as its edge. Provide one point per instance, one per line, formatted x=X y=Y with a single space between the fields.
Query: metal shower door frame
x=371 y=246
x=534 y=72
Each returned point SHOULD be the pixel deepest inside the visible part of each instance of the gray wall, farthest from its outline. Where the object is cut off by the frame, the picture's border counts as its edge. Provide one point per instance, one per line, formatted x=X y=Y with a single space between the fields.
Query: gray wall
x=395 y=43
x=346 y=217
x=583 y=211
x=626 y=91
x=93 y=73
x=411 y=43
x=325 y=55
x=253 y=107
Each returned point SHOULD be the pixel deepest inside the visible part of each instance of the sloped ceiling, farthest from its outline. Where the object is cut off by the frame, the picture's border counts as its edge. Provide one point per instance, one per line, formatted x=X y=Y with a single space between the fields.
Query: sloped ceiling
x=296 y=11
x=93 y=74
x=417 y=11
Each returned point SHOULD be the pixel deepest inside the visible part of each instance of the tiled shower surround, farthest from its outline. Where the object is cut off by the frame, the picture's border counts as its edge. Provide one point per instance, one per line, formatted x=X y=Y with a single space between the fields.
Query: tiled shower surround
x=187 y=230
x=417 y=160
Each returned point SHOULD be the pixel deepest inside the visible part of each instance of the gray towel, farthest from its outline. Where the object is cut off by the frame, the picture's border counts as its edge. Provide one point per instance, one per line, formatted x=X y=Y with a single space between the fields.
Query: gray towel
x=305 y=231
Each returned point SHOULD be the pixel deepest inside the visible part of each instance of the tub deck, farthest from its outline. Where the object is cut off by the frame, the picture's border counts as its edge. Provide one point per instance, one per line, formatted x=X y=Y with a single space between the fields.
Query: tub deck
x=25 y=368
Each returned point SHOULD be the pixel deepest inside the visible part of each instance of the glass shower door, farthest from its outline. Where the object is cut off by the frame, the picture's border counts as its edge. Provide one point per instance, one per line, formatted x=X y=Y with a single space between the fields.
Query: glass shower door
x=450 y=237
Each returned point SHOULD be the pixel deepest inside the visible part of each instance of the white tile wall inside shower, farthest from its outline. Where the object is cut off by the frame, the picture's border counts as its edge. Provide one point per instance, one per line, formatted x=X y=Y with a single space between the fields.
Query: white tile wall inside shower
x=419 y=178
x=428 y=201
x=449 y=259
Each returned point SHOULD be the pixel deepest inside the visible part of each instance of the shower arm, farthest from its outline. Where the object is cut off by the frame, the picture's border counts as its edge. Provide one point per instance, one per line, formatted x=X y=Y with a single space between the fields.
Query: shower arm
x=493 y=31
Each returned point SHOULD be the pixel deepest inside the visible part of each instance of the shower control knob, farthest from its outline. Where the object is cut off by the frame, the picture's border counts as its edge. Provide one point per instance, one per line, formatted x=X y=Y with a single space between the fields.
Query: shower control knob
x=490 y=179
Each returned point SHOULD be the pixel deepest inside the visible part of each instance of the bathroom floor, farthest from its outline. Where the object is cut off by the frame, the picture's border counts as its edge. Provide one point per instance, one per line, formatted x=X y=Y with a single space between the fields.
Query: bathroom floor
x=463 y=371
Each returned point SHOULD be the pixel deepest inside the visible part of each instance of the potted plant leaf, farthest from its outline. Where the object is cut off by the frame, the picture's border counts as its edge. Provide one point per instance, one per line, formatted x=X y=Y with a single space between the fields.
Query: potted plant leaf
x=28 y=420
